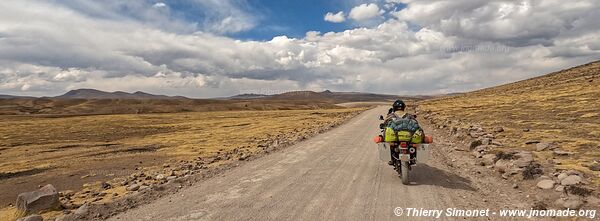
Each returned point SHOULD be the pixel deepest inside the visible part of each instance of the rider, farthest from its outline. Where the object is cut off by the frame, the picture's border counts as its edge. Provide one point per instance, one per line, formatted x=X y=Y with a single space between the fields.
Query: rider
x=398 y=106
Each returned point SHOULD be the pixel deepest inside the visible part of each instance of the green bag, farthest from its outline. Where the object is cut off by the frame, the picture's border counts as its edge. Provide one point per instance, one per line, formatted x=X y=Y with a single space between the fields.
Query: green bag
x=417 y=137
x=404 y=135
x=390 y=135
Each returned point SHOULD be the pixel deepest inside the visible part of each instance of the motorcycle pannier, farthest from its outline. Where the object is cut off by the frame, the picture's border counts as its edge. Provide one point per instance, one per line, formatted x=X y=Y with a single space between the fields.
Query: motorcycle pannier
x=417 y=137
x=390 y=135
x=404 y=135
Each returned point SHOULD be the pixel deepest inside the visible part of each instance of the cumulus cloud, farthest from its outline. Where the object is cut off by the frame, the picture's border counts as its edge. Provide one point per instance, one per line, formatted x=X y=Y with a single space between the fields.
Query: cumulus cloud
x=428 y=47
x=335 y=18
x=365 y=12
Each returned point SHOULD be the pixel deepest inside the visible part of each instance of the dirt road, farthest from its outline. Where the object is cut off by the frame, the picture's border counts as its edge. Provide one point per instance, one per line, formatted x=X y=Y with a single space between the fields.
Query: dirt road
x=334 y=176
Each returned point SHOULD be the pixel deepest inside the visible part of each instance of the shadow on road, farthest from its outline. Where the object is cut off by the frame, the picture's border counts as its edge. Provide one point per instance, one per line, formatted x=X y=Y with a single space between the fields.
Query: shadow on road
x=424 y=174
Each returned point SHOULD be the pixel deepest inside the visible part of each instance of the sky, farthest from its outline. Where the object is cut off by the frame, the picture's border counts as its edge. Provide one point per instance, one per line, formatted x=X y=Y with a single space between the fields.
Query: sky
x=216 y=48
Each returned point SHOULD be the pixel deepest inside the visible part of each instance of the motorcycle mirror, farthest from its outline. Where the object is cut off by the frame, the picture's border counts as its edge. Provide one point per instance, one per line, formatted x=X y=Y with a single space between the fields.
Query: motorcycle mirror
x=381 y=117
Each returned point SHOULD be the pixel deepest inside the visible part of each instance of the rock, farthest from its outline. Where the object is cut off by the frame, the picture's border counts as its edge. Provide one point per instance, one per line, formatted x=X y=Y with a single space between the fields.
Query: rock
x=144 y=187
x=475 y=143
x=133 y=187
x=562 y=176
x=526 y=130
x=105 y=185
x=171 y=178
x=498 y=129
x=595 y=167
x=243 y=157
x=477 y=154
x=543 y=146
x=572 y=202
x=559 y=188
x=486 y=141
x=546 y=184
x=571 y=180
x=43 y=199
x=503 y=165
x=82 y=210
x=524 y=159
x=515 y=186
x=562 y=153
x=532 y=142
x=489 y=159
x=160 y=177
x=32 y=218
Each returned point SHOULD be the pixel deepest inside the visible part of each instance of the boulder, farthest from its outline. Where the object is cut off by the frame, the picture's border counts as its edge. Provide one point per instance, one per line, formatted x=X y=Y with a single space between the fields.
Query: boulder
x=133 y=187
x=503 y=165
x=559 y=188
x=82 y=210
x=546 y=184
x=524 y=159
x=543 y=146
x=571 y=202
x=32 y=218
x=489 y=159
x=43 y=199
x=594 y=167
x=498 y=129
x=562 y=176
x=571 y=180
x=475 y=143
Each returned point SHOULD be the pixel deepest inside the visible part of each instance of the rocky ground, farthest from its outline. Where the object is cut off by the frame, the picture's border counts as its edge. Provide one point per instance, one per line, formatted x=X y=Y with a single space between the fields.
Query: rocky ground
x=476 y=151
x=100 y=200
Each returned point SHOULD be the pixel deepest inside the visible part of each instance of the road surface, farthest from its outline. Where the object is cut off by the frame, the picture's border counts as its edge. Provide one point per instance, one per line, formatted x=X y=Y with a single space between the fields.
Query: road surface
x=333 y=176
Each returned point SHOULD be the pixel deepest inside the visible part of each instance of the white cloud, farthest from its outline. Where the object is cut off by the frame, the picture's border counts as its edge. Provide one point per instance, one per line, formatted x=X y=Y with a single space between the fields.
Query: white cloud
x=365 y=12
x=159 y=5
x=429 y=47
x=335 y=18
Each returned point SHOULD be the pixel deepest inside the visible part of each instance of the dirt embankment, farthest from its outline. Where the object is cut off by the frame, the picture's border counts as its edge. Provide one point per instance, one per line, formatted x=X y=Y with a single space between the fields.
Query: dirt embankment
x=540 y=134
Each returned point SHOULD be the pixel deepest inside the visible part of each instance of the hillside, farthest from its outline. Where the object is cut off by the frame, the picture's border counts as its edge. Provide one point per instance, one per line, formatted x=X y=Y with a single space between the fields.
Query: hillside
x=97 y=94
x=90 y=101
x=560 y=108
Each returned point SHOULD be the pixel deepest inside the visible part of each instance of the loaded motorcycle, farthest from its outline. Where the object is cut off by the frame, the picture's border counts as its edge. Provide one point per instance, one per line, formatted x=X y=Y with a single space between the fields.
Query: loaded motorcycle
x=402 y=149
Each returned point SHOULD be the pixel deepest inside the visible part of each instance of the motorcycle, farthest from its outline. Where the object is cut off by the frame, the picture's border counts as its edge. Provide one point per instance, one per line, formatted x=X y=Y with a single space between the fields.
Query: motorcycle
x=402 y=155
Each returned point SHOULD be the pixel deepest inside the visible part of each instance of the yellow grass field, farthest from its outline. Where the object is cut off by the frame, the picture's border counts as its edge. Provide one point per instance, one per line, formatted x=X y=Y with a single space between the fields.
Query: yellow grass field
x=70 y=151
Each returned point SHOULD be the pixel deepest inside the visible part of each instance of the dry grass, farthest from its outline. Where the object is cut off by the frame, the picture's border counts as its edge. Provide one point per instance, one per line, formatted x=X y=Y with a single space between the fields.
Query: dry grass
x=562 y=107
x=62 y=150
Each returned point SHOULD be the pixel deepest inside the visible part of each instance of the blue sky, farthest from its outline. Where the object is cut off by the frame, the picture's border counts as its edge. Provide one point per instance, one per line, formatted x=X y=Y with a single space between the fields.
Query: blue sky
x=293 y=18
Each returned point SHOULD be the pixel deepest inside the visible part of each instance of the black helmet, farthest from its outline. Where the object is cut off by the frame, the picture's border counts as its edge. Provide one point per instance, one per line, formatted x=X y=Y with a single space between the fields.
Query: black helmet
x=399 y=105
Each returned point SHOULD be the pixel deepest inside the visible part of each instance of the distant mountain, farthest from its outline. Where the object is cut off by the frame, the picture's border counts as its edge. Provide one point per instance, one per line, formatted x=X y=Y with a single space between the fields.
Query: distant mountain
x=333 y=97
x=97 y=94
x=247 y=96
x=4 y=96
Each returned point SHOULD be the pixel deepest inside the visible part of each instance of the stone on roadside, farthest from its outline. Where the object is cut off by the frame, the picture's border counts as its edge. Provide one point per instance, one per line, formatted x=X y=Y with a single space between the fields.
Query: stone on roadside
x=562 y=153
x=489 y=159
x=133 y=187
x=571 y=180
x=498 y=129
x=546 y=184
x=503 y=165
x=524 y=159
x=571 y=202
x=475 y=143
x=82 y=210
x=543 y=146
x=559 y=188
x=43 y=199
x=562 y=176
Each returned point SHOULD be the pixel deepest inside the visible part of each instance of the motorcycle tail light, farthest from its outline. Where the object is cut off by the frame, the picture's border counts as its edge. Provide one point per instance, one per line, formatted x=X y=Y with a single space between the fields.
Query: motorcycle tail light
x=412 y=150
x=403 y=145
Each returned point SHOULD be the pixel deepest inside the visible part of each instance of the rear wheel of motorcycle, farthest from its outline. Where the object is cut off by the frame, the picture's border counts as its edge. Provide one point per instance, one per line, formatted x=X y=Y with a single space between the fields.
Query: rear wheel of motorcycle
x=404 y=171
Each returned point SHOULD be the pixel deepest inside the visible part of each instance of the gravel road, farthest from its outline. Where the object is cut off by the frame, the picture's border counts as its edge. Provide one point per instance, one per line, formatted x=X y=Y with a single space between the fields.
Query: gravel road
x=333 y=176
